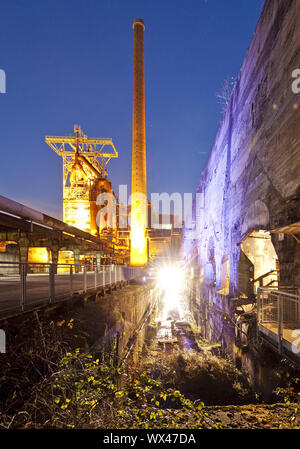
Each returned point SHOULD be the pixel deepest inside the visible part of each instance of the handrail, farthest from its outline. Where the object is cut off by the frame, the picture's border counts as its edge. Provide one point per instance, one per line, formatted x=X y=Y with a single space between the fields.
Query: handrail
x=18 y=285
x=265 y=275
x=278 y=312
x=60 y=264
x=280 y=292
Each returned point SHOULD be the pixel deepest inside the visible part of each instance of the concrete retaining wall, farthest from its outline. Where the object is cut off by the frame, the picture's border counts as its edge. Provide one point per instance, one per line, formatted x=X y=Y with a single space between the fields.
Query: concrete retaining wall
x=251 y=181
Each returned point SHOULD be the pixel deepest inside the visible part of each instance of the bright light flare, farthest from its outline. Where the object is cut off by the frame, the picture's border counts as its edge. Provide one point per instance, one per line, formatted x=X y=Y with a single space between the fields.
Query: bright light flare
x=171 y=282
x=138 y=253
x=171 y=279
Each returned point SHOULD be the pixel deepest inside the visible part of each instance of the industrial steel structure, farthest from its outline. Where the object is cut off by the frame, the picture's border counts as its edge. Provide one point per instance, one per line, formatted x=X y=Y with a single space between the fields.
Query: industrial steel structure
x=29 y=235
x=84 y=176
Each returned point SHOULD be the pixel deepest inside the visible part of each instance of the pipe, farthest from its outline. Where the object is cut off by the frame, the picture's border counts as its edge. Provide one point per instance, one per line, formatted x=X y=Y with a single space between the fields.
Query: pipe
x=78 y=165
x=91 y=167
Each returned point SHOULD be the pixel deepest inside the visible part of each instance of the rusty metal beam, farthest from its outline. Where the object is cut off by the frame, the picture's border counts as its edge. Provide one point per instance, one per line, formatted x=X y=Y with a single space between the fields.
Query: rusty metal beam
x=289 y=229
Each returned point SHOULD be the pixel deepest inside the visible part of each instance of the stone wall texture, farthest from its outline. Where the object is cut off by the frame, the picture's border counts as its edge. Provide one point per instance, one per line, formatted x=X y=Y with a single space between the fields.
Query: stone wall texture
x=251 y=181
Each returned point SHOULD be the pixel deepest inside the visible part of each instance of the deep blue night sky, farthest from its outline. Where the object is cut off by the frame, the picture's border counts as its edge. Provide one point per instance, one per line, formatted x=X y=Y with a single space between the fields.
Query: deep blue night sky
x=70 y=61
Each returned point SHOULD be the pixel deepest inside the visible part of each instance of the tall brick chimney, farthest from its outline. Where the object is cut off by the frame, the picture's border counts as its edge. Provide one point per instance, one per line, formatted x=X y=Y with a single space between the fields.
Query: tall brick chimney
x=138 y=254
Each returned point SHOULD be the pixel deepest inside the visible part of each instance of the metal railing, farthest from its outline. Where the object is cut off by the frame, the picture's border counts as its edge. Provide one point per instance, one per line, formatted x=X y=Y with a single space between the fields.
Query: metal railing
x=278 y=316
x=25 y=285
x=284 y=288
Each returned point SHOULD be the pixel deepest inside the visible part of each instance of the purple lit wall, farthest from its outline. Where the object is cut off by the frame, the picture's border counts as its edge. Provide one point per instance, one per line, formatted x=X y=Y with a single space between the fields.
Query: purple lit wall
x=251 y=181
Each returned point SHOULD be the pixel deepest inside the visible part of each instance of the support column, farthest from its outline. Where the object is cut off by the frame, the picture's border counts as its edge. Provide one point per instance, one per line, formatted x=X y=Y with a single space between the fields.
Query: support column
x=76 y=253
x=54 y=248
x=98 y=258
x=23 y=244
x=54 y=256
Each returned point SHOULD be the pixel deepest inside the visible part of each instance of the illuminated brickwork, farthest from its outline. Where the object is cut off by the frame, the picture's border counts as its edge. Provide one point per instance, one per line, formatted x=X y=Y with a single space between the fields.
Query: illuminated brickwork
x=138 y=255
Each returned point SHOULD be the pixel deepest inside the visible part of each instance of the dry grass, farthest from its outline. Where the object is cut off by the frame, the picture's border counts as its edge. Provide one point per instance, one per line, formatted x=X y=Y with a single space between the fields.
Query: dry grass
x=212 y=379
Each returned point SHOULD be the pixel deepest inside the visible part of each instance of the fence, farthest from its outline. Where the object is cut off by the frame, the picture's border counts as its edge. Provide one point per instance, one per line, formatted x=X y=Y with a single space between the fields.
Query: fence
x=278 y=316
x=25 y=285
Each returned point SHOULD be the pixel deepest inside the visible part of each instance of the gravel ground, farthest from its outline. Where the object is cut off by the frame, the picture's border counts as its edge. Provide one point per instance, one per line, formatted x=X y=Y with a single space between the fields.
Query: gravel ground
x=259 y=416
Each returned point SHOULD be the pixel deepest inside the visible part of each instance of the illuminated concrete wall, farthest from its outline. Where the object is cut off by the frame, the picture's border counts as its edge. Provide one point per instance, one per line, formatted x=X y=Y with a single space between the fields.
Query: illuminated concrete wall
x=259 y=250
x=251 y=180
x=39 y=255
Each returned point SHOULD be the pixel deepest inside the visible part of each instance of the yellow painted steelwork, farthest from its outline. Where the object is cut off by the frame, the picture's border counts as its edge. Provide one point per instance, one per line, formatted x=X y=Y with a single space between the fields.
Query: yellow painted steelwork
x=84 y=170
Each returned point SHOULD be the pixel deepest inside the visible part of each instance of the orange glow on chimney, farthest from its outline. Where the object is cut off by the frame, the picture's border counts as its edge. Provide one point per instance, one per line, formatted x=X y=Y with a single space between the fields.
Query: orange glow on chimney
x=138 y=253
